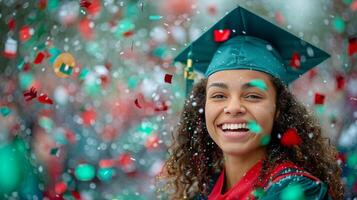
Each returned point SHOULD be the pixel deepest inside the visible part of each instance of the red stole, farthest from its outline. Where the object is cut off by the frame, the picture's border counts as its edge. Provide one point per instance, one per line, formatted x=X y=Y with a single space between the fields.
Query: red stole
x=244 y=187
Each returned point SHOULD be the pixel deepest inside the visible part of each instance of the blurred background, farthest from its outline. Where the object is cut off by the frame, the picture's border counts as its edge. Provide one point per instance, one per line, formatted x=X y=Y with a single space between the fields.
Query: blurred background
x=89 y=96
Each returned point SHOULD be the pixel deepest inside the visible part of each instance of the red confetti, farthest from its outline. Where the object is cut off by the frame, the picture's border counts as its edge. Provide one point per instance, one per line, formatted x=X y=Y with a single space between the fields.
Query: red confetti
x=340 y=82
x=163 y=107
x=279 y=18
x=221 y=35
x=11 y=24
x=152 y=142
x=76 y=195
x=85 y=29
x=84 y=3
x=212 y=10
x=94 y=8
x=89 y=117
x=42 y=4
x=43 y=98
x=353 y=6
x=70 y=136
x=39 y=58
x=295 y=61
x=168 y=78
x=352 y=46
x=312 y=73
x=60 y=187
x=290 y=138
x=319 y=99
x=27 y=67
x=128 y=34
x=25 y=33
x=106 y=163
x=125 y=160
x=30 y=94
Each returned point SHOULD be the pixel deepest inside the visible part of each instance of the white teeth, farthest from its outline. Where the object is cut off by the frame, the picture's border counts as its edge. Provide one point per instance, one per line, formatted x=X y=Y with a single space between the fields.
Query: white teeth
x=234 y=126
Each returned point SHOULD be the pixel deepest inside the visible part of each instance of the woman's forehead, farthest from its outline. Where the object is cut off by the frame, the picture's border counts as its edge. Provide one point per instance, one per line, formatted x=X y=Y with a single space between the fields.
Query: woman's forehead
x=239 y=77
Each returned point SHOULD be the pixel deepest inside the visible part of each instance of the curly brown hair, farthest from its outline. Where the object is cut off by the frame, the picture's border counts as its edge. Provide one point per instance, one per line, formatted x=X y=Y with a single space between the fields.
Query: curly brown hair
x=194 y=158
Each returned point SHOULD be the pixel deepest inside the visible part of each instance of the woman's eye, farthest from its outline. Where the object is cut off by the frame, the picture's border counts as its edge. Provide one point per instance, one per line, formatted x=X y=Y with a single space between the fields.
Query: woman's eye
x=252 y=96
x=218 y=96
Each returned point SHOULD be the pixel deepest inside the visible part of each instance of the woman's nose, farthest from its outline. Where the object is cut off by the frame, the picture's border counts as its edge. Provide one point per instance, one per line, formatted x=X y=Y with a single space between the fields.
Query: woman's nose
x=234 y=107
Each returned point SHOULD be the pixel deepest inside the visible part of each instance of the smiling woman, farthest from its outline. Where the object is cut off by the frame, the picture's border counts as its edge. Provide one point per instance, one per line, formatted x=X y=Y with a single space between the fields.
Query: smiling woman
x=242 y=133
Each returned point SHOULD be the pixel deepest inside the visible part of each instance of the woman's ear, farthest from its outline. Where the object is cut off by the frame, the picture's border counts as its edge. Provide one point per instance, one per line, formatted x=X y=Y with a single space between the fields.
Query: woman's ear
x=277 y=113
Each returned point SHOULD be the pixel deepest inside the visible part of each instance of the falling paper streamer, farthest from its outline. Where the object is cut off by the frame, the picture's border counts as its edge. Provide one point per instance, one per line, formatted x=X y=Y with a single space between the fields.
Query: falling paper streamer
x=30 y=94
x=10 y=48
x=254 y=126
x=295 y=61
x=259 y=84
x=221 y=35
x=44 y=99
x=40 y=56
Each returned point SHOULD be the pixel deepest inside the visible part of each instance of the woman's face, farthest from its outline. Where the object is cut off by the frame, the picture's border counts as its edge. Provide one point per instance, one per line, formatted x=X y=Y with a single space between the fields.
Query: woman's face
x=239 y=110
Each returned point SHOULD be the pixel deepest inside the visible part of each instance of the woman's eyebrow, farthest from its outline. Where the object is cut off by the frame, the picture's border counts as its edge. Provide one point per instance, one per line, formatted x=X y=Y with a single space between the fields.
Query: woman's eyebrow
x=218 y=84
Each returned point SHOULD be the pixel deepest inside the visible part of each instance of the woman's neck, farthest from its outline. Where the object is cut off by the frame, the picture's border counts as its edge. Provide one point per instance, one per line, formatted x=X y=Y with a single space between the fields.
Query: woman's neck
x=236 y=166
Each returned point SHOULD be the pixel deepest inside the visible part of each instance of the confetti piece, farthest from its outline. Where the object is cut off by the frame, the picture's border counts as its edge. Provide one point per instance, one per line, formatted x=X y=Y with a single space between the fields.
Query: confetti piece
x=10 y=48
x=64 y=65
x=46 y=123
x=44 y=99
x=353 y=6
x=5 y=111
x=254 y=126
x=128 y=34
x=125 y=160
x=161 y=108
x=25 y=33
x=39 y=58
x=340 y=82
x=76 y=195
x=339 y=24
x=152 y=142
x=124 y=26
x=84 y=172
x=290 y=138
x=89 y=117
x=258 y=193
x=42 y=4
x=85 y=29
x=106 y=163
x=105 y=174
x=95 y=7
x=155 y=17
x=352 y=46
x=212 y=10
x=221 y=35
x=85 y=3
x=265 y=140
x=60 y=187
x=279 y=18
x=54 y=151
x=293 y=191
x=11 y=24
x=295 y=61
x=348 y=2
x=83 y=74
x=352 y=160
x=168 y=78
x=259 y=84
x=30 y=94
x=319 y=99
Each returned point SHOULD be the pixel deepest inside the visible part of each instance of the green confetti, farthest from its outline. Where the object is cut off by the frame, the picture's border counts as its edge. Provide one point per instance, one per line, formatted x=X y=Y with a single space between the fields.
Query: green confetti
x=259 y=84
x=265 y=140
x=54 y=52
x=123 y=27
x=258 y=193
x=293 y=192
x=347 y=2
x=146 y=128
x=84 y=172
x=21 y=64
x=254 y=126
x=319 y=109
x=132 y=82
x=155 y=17
x=52 y=5
x=352 y=160
x=339 y=24
x=105 y=174
x=54 y=151
x=83 y=74
x=46 y=123
x=25 y=79
x=5 y=111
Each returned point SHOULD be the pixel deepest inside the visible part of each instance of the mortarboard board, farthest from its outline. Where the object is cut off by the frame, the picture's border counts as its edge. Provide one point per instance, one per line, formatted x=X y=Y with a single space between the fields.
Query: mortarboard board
x=243 y=40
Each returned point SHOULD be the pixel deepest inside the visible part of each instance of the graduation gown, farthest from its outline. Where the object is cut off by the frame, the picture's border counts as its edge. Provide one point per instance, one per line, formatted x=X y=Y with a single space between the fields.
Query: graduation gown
x=275 y=185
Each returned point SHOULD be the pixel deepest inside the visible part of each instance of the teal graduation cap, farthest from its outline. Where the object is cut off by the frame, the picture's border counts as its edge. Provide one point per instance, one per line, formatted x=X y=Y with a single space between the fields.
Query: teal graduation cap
x=243 y=40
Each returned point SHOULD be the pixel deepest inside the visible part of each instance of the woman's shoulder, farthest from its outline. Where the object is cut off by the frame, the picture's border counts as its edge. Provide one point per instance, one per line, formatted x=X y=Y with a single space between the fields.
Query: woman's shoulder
x=289 y=181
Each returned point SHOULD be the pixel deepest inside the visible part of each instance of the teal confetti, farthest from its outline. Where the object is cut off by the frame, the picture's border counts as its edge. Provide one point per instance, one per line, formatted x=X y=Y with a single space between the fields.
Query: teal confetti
x=319 y=109
x=339 y=24
x=21 y=64
x=105 y=174
x=83 y=74
x=123 y=27
x=352 y=160
x=46 y=123
x=265 y=139
x=254 y=126
x=132 y=82
x=259 y=84
x=5 y=111
x=52 y=5
x=293 y=192
x=26 y=79
x=146 y=128
x=347 y=2
x=84 y=172
x=54 y=151
x=54 y=52
x=155 y=17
